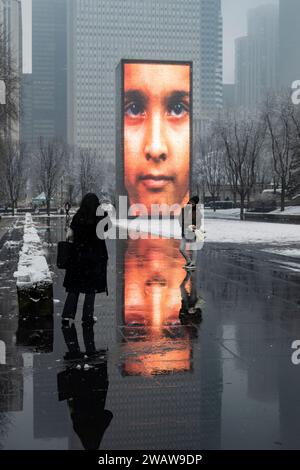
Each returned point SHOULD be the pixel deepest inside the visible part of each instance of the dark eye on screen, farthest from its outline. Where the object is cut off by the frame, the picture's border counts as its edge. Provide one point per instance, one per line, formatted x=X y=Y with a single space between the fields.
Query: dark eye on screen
x=134 y=109
x=178 y=109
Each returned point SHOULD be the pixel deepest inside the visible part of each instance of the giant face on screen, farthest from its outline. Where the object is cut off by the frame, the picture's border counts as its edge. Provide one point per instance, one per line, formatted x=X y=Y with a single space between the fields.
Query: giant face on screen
x=157 y=133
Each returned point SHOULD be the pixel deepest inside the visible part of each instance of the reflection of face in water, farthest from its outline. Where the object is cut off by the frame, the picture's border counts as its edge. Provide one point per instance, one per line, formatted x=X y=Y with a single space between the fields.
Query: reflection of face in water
x=152 y=301
x=157 y=133
x=153 y=274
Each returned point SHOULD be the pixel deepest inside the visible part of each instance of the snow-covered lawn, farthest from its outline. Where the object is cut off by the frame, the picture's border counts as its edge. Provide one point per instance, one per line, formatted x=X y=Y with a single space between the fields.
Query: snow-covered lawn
x=291 y=210
x=33 y=269
x=292 y=252
x=235 y=213
x=236 y=231
x=223 y=231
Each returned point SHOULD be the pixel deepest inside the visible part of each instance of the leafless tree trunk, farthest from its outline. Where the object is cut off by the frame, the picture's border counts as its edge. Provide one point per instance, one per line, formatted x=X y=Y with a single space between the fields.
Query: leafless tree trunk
x=50 y=159
x=242 y=137
x=89 y=171
x=212 y=161
x=295 y=166
x=279 y=112
x=13 y=171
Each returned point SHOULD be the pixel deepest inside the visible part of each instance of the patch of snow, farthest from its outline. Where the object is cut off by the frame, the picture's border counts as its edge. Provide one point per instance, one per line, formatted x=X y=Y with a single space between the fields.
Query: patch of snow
x=236 y=231
x=32 y=268
x=289 y=265
x=10 y=244
x=292 y=252
x=290 y=210
x=219 y=231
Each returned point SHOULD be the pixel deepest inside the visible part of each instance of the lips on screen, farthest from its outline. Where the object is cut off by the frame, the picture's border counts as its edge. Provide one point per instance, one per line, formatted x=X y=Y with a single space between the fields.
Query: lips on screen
x=152 y=301
x=156 y=127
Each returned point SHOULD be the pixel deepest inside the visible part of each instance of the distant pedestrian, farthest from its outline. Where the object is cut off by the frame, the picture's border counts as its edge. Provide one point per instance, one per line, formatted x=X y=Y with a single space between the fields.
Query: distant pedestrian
x=190 y=221
x=87 y=269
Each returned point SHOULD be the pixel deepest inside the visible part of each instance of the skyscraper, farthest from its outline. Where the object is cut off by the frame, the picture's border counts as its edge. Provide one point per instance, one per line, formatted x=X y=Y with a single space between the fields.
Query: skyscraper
x=11 y=23
x=44 y=113
x=256 y=57
x=211 y=47
x=289 y=51
x=101 y=33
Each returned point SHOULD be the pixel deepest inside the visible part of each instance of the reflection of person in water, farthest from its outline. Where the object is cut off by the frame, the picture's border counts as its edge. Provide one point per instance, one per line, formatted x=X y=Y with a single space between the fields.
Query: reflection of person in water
x=84 y=385
x=157 y=133
x=191 y=303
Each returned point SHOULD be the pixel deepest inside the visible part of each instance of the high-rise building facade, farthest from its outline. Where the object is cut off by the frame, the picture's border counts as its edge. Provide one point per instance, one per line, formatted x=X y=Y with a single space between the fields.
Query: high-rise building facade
x=211 y=46
x=289 y=51
x=11 y=24
x=101 y=33
x=242 y=89
x=256 y=57
x=45 y=110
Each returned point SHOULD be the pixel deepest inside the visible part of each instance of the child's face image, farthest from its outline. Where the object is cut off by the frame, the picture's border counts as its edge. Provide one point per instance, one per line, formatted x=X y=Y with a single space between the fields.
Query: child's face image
x=157 y=133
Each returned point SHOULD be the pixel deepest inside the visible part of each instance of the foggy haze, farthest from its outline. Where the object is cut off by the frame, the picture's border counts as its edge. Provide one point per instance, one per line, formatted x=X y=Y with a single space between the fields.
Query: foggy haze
x=234 y=26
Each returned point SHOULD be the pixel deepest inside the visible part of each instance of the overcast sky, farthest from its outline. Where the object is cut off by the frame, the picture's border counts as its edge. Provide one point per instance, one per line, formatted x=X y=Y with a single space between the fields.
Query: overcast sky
x=234 y=26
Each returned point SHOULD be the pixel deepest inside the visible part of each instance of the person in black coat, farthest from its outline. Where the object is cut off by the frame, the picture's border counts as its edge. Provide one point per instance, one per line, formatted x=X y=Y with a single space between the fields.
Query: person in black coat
x=87 y=269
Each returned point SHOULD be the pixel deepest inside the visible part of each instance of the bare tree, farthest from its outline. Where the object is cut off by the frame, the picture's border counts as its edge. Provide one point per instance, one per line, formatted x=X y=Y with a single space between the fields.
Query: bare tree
x=90 y=175
x=294 y=188
x=265 y=173
x=70 y=175
x=242 y=136
x=279 y=116
x=50 y=159
x=13 y=171
x=198 y=177
x=212 y=160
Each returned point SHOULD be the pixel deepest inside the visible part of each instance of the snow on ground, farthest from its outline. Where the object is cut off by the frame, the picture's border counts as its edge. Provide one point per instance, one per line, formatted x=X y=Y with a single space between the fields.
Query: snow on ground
x=222 y=231
x=235 y=213
x=10 y=244
x=290 y=210
x=32 y=268
x=222 y=214
x=292 y=252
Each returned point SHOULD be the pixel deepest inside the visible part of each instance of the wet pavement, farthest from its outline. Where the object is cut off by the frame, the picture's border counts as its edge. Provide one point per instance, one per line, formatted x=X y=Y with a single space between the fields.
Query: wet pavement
x=148 y=375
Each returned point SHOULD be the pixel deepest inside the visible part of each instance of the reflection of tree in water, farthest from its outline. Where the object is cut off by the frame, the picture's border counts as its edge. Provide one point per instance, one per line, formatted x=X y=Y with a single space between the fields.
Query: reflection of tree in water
x=5 y=424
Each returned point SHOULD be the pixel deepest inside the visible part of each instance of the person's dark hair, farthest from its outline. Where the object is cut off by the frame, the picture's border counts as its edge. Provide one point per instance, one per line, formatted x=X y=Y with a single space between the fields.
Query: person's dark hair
x=194 y=200
x=87 y=211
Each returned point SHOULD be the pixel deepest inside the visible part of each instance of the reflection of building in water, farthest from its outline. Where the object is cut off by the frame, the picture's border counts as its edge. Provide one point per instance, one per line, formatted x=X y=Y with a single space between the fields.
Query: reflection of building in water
x=50 y=418
x=263 y=381
x=35 y=334
x=11 y=382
